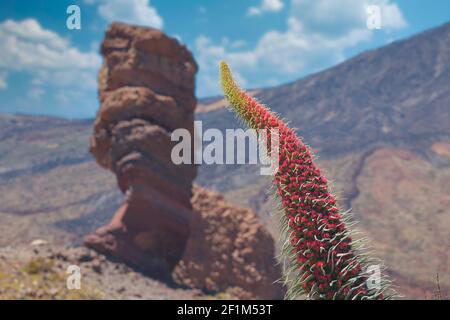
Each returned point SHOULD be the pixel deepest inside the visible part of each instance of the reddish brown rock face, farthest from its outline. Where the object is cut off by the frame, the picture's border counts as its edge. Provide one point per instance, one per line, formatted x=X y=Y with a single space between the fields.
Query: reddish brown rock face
x=165 y=227
x=229 y=250
x=146 y=91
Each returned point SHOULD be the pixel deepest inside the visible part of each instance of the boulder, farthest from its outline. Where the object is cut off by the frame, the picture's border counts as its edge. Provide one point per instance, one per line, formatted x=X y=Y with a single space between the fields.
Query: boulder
x=229 y=250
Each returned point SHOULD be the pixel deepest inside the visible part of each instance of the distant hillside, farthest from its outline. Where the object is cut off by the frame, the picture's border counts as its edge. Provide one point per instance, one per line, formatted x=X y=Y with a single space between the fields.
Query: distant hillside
x=399 y=92
x=50 y=187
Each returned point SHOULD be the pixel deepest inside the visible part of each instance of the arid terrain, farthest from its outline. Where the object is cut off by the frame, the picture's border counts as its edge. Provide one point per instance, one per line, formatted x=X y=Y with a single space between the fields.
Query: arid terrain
x=40 y=272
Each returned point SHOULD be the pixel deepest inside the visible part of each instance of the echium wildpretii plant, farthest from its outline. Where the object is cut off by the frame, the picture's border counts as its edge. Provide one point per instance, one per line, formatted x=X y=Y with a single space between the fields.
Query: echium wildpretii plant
x=324 y=261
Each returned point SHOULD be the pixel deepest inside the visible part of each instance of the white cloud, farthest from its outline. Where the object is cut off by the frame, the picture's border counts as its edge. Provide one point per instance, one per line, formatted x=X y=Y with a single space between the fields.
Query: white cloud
x=277 y=54
x=392 y=17
x=139 y=12
x=317 y=34
x=3 y=83
x=266 y=6
x=208 y=56
x=36 y=93
x=340 y=17
x=27 y=46
x=47 y=58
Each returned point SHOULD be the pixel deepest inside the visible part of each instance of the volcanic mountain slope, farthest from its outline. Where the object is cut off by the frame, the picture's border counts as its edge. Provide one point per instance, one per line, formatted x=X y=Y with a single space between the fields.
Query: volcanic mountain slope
x=380 y=123
x=50 y=187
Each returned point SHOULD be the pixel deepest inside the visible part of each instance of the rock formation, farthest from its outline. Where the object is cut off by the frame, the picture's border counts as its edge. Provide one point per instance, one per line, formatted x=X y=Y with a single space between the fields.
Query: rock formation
x=229 y=250
x=166 y=227
x=146 y=90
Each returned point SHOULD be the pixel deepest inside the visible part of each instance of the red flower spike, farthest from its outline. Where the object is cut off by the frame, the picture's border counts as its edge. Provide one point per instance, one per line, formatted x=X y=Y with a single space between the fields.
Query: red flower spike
x=304 y=194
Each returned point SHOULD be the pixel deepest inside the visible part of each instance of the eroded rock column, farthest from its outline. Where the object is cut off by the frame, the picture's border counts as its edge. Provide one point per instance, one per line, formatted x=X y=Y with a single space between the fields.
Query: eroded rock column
x=146 y=90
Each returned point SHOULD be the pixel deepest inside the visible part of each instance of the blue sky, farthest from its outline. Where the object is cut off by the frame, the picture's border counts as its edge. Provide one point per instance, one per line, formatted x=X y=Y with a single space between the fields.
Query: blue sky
x=47 y=69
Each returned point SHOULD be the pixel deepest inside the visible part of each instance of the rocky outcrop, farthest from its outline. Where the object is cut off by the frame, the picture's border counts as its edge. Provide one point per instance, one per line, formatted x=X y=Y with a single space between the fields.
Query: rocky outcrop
x=146 y=90
x=229 y=250
x=166 y=227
